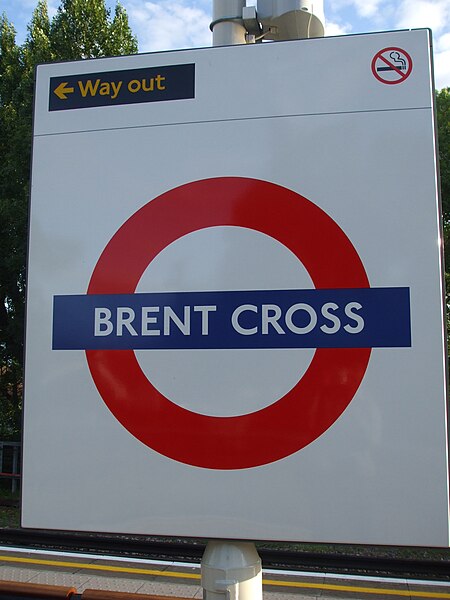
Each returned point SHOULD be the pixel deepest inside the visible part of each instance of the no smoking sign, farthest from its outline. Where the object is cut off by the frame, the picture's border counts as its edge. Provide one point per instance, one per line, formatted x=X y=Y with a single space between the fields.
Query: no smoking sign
x=342 y=318
x=392 y=65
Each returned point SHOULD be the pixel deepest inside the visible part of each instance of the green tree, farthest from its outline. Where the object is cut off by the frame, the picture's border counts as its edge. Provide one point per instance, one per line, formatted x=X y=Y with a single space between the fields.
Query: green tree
x=83 y=29
x=13 y=186
x=79 y=30
x=443 y=125
x=38 y=47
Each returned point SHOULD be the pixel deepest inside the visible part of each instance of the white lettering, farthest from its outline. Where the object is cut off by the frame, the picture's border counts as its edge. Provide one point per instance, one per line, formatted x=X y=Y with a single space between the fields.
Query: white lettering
x=125 y=316
x=267 y=319
x=205 y=310
x=270 y=314
x=235 y=322
x=147 y=320
x=312 y=316
x=350 y=307
x=102 y=322
x=183 y=326
x=326 y=308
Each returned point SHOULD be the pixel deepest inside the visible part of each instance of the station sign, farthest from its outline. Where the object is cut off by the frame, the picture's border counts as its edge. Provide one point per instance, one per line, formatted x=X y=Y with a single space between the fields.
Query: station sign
x=238 y=340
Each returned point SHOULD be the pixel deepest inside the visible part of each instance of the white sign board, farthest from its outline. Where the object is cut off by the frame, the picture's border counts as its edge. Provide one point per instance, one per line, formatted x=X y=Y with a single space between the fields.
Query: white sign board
x=235 y=319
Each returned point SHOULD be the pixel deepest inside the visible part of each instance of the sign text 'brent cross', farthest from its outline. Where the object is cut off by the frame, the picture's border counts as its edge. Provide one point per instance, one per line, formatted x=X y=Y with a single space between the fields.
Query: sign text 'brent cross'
x=155 y=84
x=342 y=317
x=349 y=318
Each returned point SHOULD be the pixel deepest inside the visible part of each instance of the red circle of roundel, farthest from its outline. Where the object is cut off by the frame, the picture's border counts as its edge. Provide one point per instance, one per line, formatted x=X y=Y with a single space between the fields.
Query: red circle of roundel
x=319 y=397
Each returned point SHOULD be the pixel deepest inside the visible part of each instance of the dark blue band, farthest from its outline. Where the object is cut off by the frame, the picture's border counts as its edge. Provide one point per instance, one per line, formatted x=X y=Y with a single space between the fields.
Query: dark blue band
x=339 y=318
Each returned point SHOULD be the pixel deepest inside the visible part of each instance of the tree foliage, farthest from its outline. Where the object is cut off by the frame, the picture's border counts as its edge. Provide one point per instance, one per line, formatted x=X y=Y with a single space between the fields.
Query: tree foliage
x=443 y=124
x=79 y=30
x=83 y=29
x=443 y=121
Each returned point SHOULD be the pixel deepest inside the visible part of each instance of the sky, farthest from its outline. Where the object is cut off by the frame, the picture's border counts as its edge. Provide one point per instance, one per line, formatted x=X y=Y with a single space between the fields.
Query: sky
x=176 y=24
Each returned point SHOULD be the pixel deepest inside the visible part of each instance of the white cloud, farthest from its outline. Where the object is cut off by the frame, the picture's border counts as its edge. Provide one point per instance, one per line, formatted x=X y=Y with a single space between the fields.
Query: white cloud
x=434 y=14
x=26 y=4
x=336 y=28
x=368 y=8
x=423 y=13
x=442 y=60
x=52 y=6
x=167 y=25
x=442 y=43
x=364 y=8
x=364 y=15
x=442 y=69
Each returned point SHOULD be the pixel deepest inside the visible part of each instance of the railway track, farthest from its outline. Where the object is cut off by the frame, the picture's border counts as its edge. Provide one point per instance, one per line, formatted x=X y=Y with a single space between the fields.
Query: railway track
x=191 y=551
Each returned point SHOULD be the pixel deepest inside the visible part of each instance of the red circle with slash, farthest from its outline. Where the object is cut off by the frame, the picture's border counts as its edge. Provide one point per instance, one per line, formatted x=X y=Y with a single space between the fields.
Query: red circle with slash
x=392 y=65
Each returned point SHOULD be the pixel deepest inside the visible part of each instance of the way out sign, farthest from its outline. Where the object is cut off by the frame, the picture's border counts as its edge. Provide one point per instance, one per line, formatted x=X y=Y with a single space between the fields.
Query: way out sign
x=239 y=340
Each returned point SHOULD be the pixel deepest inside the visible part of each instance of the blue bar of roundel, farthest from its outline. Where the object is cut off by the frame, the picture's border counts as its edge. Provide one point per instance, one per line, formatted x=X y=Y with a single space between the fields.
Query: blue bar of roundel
x=385 y=311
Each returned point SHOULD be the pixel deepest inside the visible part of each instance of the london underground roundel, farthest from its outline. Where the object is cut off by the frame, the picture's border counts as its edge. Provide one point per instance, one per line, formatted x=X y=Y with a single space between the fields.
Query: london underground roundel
x=311 y=406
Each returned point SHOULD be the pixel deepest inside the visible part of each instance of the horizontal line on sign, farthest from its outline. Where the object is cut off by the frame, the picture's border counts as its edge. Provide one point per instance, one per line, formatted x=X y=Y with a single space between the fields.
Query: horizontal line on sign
x=240 y=119
x=196 y=576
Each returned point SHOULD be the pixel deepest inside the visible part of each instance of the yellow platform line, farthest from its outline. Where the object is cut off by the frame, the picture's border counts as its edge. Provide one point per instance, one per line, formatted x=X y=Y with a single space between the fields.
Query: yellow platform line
x=357 y=589
x=95 y=567
x=270 y=582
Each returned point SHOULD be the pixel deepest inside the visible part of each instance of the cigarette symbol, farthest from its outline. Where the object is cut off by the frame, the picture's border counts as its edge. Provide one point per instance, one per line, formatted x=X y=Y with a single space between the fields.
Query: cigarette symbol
x=399 y=63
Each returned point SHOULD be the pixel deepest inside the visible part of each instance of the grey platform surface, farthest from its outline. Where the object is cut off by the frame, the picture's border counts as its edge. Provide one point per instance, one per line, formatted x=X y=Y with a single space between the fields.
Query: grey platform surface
x=177 y=579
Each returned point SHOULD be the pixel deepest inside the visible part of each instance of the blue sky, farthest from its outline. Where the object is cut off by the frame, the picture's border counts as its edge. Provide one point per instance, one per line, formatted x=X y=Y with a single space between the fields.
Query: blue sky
x=171 y=24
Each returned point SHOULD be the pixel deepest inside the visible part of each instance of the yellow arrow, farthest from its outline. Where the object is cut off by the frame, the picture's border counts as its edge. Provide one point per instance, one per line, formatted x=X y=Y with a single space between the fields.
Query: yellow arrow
x=62 y=90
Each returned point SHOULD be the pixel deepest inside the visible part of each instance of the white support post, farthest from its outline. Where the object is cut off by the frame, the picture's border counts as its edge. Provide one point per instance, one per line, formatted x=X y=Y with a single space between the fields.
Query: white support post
x=231 y=571
x=227 y=24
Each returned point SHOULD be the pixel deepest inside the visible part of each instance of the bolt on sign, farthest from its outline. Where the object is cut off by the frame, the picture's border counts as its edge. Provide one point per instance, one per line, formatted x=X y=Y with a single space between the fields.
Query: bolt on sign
x=238 y=340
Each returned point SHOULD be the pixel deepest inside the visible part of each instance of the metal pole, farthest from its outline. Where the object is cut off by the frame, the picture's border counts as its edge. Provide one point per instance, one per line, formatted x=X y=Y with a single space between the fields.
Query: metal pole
x=227 y=25
x=231 y=571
